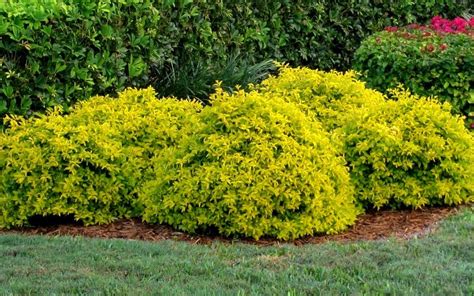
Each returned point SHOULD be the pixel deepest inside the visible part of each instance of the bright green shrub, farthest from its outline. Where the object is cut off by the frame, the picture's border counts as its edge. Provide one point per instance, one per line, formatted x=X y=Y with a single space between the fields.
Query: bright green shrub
x=428 y=62
x=89 y=163
x=55 y=52
x=410 y=152
x=256 y=166
x=332 y=96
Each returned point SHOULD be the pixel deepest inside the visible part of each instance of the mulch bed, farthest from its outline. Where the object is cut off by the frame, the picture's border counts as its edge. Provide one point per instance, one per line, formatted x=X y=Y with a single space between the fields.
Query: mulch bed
x=378 y=225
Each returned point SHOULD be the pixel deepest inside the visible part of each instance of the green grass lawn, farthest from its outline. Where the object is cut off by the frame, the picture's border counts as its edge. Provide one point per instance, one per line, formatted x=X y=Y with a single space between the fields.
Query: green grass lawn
x=439 y=264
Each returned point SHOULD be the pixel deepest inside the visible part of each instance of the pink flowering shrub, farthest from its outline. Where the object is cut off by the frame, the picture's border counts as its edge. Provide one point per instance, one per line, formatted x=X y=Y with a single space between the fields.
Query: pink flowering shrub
x=458 y=25
x=439 y=25
x=436 y=59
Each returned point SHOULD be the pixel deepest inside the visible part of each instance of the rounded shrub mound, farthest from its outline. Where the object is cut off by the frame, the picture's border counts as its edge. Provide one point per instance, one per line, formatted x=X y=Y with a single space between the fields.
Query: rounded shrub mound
x=256 y=166
x=410 y=152
x=88 y=163
x=331 y=96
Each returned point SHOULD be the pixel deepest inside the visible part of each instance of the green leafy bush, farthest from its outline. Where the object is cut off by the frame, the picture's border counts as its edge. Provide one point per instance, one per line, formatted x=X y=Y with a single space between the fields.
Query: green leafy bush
x=410 y=152
x=428 y=62
x=256 y=166
x=55 y=52
x=89 y=163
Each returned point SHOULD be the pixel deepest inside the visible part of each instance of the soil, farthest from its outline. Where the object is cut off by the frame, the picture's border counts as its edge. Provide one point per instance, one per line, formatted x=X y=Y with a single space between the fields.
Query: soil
x=377 y=225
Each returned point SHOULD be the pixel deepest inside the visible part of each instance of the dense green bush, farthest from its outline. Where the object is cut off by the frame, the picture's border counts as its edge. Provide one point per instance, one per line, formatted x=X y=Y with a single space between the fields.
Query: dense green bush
x=255 y=166
x=89 y=163
x=56 y=52
x=410 y=152
x=428 y=62
x=60 y=51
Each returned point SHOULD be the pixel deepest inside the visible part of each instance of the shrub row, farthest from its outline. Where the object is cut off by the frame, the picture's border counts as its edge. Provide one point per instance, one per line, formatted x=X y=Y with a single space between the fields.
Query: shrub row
x=299 y=154
x=249 y=165
x=435 y=60
x=55 y=52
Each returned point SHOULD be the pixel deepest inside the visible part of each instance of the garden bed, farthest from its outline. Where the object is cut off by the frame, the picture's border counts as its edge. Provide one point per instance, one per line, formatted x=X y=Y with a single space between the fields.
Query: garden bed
x=403 y=224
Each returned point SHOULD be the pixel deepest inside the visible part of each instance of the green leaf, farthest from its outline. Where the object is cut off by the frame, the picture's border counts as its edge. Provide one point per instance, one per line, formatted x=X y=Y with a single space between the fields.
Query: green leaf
x=8 y=91
x=136 y=66
x=3 y=106
x=107 y=31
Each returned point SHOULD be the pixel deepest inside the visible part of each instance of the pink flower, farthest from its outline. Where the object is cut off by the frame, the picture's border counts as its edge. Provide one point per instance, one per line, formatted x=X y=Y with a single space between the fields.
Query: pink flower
x=435 y=20
x=458 y=25
x=447 y=30
x=460 y=22
x=443 y=47
x=471 y=22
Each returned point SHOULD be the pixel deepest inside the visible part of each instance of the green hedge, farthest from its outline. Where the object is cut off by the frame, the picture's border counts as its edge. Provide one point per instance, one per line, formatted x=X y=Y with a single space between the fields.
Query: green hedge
x=59 y=51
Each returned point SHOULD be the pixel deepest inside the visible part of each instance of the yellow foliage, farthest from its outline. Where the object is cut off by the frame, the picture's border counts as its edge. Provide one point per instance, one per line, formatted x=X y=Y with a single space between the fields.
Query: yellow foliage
x=410 y=151
x=89 y=163
x=333 y=97
x=406 y=150
x=294 y=156
x=255 y=166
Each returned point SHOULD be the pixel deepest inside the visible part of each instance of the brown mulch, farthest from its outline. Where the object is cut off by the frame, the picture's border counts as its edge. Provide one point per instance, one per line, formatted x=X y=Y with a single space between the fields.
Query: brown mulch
x=402 y=224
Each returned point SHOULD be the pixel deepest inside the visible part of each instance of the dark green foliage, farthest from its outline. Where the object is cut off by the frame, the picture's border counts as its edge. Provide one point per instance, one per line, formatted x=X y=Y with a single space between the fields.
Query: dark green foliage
x=76 y=49
x=60 y=51
x=194 y=79
x=427 y=63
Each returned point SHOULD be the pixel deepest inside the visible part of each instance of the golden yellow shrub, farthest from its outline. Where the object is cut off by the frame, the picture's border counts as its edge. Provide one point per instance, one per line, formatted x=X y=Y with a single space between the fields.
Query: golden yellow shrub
x=89 y=163
x=256 y=166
